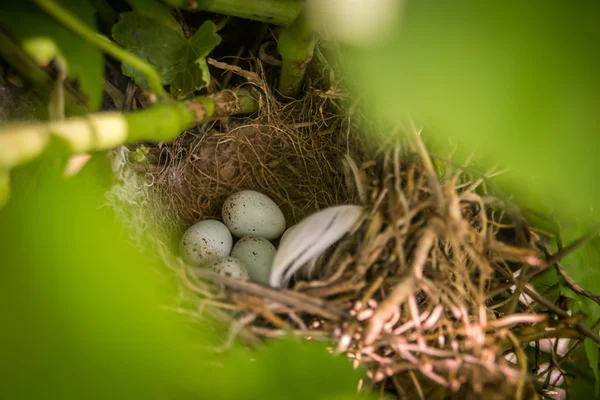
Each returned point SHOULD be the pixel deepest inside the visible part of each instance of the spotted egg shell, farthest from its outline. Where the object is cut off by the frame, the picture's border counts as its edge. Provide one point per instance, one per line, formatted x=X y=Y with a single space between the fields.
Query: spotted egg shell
x=229 y=267
x=257 y=253
x=205 y=240
x=252 y=213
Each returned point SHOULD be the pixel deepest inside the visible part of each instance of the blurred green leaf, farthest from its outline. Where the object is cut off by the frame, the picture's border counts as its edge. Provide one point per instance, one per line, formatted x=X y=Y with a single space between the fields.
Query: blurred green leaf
x=180 y=62
x=290 y=369
x=82 y=310
x=155 y=10
x=517 y=80
x=45 y=39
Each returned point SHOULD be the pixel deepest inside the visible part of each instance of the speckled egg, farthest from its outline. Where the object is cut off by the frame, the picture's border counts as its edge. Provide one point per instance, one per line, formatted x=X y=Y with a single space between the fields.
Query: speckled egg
x=253 y=213
x=257 y=253
x=229 y=267
x=205 y=240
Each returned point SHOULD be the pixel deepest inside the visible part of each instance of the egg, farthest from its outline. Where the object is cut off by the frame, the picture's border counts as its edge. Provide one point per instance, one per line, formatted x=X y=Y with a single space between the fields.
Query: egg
x=204 y=241
x=257 y=253
x=253 y=213
x=229 y=267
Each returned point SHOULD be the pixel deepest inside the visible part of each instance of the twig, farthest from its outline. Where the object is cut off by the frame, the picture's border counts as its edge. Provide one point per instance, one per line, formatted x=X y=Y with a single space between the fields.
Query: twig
x=549 y=305
x=575 y=286
x=70 y=21
x=234 y=330
x=517 y=319
x=565 y=251
x=249 y=75
x=556 y=257
x=35 y=75
x=415 y=381
x=298 y=300
x=522 y=360
x=427 y=165
x=388 y=308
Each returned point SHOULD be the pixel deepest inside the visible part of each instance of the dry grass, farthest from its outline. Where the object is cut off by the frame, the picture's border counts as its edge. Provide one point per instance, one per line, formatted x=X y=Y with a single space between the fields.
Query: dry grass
x=293 y=153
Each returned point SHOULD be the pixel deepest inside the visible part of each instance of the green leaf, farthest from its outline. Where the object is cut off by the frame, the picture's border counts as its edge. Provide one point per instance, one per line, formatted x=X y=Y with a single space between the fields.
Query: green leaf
x=179 y=62
x=584 y=267
x=85 y=310
x=517 y=79
x=45 y=39
x=581 y=380
x=155 y=10
x=200 y=45
x=592 y=310
x=289 y=369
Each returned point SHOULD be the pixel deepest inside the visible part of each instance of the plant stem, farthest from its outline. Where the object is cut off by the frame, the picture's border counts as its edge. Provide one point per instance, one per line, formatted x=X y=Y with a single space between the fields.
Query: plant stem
x=21 y=142
x=34 y=74
x=278 y=12
x=70 y=21
x=4 y=187
x=296 y=46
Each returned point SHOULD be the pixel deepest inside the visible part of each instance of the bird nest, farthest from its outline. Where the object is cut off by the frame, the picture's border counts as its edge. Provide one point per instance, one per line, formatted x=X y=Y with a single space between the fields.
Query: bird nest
x=429 y=290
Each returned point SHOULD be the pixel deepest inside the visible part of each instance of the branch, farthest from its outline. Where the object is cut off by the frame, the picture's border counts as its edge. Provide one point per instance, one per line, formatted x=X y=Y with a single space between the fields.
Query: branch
x=296 y=46
x=21 y=142
x=277 y=12
x=34 y=74
x=575 y=286
x=548 y=304
x=565 y=251
x=70 y=21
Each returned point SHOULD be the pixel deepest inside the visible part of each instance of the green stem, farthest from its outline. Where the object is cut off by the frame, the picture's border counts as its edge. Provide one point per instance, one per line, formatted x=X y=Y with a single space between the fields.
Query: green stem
x=21 y=142
x=34 y=74
x=70 y=21
x=296 y=46
x=278 y=12
x=4 y=187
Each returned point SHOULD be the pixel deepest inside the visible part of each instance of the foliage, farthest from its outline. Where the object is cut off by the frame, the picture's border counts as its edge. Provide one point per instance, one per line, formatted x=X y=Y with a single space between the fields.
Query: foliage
x=518 y=82
x=87 y=321
x=180 y=62
x=583 y=268
x=81 y=306
x=155 y=10
x=45 y=39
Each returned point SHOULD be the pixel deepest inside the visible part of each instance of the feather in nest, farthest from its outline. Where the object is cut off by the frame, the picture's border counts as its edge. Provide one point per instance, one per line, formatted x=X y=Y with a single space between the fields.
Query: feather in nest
x=310 y=239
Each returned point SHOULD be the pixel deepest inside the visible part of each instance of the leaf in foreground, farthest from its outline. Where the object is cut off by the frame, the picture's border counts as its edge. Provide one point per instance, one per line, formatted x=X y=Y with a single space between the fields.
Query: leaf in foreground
x=83 y=310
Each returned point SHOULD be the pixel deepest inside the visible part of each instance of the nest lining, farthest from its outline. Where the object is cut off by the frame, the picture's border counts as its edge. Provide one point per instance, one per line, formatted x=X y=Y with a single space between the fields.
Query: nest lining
x=425 y=293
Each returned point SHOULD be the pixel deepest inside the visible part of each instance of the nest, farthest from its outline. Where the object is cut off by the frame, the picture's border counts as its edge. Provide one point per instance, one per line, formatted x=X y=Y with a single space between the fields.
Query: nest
x=291 y=152
x=428 y=293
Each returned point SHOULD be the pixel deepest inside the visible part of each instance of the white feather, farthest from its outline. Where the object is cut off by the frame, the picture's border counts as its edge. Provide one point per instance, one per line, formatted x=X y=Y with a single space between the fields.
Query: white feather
x=311 y=238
